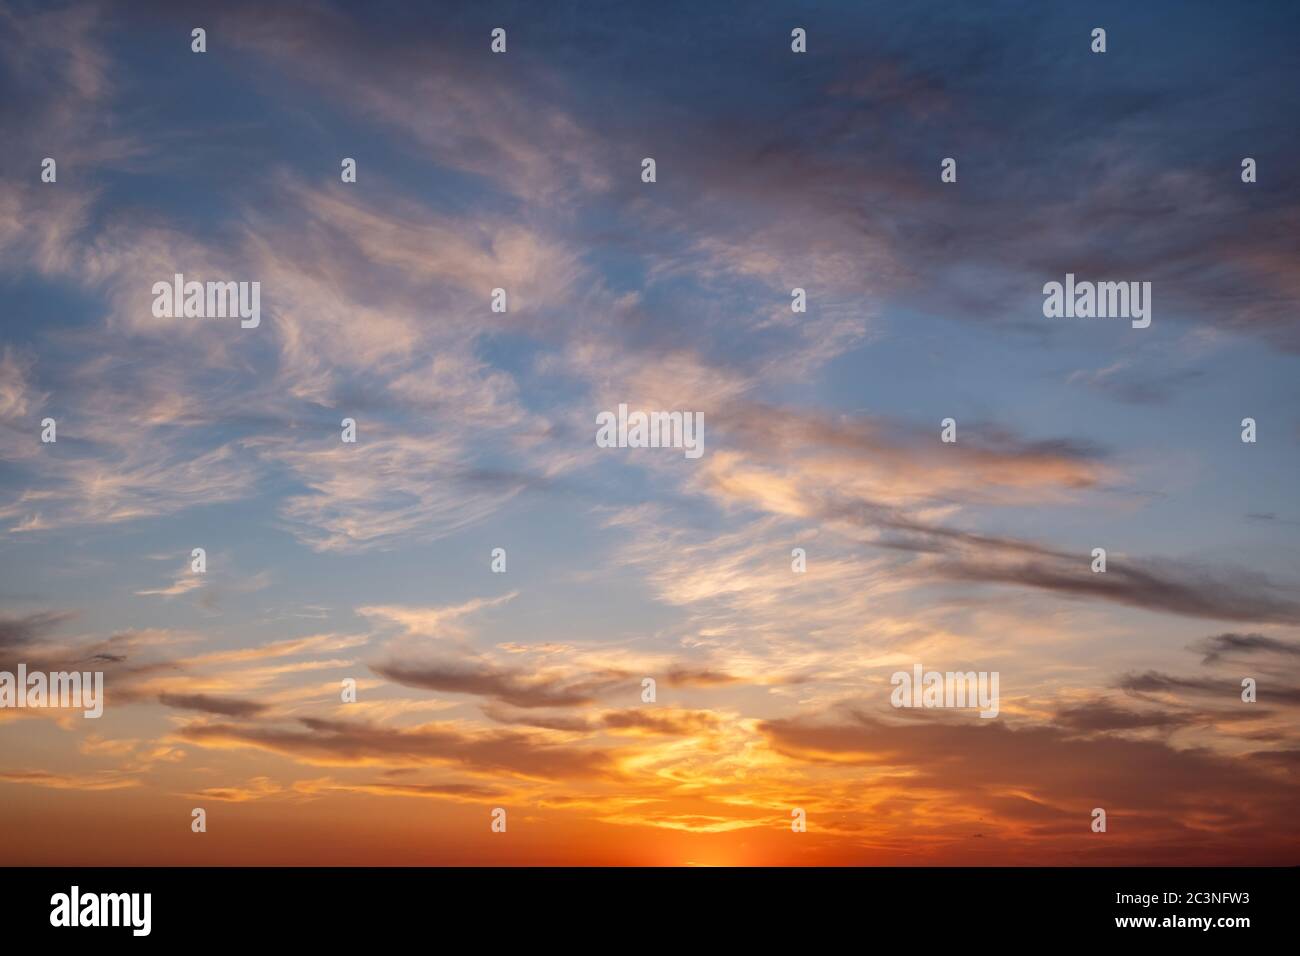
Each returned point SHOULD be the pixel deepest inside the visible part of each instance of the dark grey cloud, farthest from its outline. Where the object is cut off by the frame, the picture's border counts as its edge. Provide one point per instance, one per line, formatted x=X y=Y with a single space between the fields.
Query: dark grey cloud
x=514 y=687
x=1219 y=646
x=1101 y=716
x=685 y=675
x=1226 y=688
x=224 y=706
x=1148 y=583
x=335 y=742
x=1156 y=584
x=25 y=629
x=673 y=723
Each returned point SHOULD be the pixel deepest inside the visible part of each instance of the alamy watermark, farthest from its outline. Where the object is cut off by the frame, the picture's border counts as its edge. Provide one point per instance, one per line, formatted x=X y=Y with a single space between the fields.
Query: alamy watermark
x=1102 y=300
x=75 y=908
x=683 y=430
x=55 y=689
x=210 y=300
x=946 y=689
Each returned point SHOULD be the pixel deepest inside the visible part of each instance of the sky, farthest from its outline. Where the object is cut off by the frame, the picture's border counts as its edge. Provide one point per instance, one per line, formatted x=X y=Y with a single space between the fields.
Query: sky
x=521 y=690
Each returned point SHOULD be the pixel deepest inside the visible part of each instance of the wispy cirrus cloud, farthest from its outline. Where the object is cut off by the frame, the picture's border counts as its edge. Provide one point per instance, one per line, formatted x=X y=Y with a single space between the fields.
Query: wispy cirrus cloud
x=475 y=430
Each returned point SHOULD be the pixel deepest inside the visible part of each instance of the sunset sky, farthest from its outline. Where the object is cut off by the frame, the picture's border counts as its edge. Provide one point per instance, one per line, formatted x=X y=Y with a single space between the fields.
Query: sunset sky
x=475 y=430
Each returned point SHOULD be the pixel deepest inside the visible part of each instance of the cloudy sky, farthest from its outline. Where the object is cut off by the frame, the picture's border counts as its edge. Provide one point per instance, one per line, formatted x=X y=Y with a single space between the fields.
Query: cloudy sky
x=475 y=430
